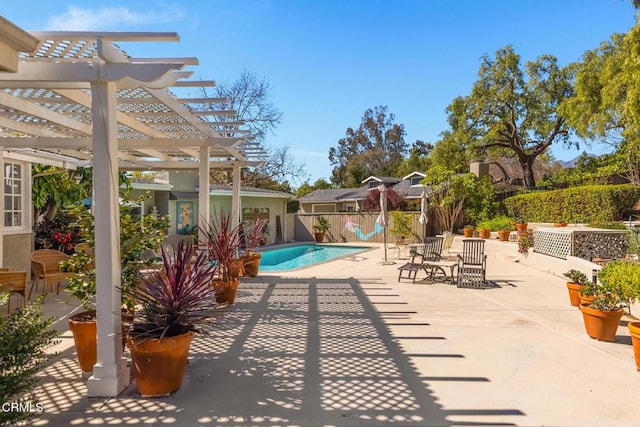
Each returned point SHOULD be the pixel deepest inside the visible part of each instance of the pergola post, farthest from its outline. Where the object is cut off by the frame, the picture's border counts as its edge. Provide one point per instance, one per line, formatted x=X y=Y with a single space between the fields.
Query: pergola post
x=236 y=206
x=204 y=209
x=110 y=373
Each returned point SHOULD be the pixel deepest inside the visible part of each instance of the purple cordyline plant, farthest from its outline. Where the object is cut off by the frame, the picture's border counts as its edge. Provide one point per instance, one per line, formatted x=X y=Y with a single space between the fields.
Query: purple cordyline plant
x=254 y=237
x=223 y=242
x=176 y=299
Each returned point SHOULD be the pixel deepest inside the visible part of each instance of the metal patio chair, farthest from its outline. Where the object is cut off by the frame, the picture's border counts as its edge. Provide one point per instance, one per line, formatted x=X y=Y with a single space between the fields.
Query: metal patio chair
x=472 y=264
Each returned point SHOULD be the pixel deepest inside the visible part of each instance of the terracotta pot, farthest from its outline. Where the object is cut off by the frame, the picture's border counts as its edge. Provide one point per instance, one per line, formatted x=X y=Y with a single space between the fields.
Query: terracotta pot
x=634 y=330
x=226 y=291
x=601 y=325
x=319 y=237
x=574 y=293
x=159 y=366
x=503 y=235
x=485 y=233
x=85 y=337
x=560 y=224
x=468 y=232
x=237 y=267
x=252 y=264
x=521 y=227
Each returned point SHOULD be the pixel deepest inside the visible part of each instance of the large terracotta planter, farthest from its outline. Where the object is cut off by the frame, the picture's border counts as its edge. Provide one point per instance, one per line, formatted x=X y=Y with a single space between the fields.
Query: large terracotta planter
x=226 y=291
x=159 y=366
x=503 y=235
x=468 y=232
x=574 y=293
x=237 y=268
x=83 y=328
x=521 y=227
x=634 y=330
x=601 y=325
x=319 y=237
x=252 y=264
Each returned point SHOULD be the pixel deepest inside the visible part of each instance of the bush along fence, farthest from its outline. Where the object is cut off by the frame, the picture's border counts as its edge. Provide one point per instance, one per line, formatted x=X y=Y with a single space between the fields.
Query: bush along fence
x=576 y=204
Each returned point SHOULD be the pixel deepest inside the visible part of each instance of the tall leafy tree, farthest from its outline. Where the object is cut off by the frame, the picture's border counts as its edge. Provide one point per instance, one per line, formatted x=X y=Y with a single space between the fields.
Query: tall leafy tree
x=376 y=147
x=513 y=110
x=606 y=103
x=419 y=158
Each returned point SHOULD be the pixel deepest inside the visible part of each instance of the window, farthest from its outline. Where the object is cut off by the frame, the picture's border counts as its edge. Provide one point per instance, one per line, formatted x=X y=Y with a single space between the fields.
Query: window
x=374 y=184
x=416 y=180
x=14 y=199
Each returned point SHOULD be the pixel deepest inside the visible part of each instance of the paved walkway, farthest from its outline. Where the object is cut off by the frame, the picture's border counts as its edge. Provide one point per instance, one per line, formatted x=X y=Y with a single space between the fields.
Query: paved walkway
x=345 y=344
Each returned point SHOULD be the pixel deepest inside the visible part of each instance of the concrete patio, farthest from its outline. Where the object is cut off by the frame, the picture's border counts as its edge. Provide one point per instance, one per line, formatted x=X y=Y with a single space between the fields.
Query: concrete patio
x=345 y=344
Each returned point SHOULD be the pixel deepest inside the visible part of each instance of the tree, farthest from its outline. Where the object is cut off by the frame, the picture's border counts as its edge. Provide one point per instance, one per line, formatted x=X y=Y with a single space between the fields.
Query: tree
x=55 y=187
x=376 y=147
x=513 y=112
x=395 y=200
x=250 y=98
x=606 y=102
x=419 y=158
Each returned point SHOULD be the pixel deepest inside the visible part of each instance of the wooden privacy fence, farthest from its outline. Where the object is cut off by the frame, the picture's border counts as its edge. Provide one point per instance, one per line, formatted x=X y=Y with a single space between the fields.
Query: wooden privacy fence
x=356 y=227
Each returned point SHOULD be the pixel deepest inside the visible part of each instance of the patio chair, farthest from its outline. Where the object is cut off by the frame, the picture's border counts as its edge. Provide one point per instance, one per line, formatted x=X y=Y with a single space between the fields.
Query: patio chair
x=472 y=264
x=45 y=264
x=447 y=243
x=14 y=282
x=419 y=259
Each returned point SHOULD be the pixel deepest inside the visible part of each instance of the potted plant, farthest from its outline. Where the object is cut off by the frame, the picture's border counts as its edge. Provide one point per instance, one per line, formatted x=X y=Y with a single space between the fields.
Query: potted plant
x=468 y=230
x=484 y=229
x=602 y=316
x=253 y=239
x=222 y=242
x=521 y=225
x=138 y=236
x=560 y=223
x=577 y=280
x=320 y=228
x=525 y=241
x=401 y=226
x=175 y=303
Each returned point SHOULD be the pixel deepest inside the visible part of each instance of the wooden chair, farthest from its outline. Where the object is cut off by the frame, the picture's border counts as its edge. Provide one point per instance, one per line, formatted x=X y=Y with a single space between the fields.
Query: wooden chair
x=45 y=264
x=472 y=264
x=419 y=259
x=14 y=282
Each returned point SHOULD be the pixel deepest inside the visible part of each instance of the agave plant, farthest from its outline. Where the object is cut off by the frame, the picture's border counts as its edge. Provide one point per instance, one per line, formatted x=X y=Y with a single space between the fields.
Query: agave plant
x=222 y=243
x=176 y=299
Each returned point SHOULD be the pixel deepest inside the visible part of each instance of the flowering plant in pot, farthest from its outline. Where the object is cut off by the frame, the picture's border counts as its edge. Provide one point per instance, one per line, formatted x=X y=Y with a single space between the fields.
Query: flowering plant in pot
x=588 y=292
x=601 y=317
x=577 y=279
x=253 y=238
x=525 y=241
x=222 y=241
x=175 y=303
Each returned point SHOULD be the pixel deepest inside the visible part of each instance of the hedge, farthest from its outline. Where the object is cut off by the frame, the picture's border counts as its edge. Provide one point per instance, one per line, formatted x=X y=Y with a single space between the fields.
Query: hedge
x=576 y=204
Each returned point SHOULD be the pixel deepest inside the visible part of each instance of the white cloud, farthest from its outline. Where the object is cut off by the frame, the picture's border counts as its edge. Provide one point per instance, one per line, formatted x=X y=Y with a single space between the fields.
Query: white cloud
x=78 y=18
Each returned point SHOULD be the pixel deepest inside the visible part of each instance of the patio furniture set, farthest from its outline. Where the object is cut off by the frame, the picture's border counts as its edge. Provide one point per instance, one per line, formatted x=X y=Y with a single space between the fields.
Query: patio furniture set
x=471 y=264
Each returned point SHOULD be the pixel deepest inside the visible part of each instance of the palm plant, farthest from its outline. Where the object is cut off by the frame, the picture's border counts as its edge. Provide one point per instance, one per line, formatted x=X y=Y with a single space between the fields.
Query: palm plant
x=176 y=299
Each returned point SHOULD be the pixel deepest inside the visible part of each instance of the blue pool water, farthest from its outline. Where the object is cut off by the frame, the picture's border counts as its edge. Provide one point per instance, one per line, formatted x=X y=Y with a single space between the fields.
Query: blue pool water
x=303 y=256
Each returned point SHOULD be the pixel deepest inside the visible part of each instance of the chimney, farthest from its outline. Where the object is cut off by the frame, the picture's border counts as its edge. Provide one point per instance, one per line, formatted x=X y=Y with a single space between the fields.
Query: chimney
x=479 y=169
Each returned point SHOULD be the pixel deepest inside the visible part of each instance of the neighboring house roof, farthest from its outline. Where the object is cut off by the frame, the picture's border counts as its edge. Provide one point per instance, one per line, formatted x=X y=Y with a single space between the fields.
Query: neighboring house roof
x=226 y=190
x=399 y=185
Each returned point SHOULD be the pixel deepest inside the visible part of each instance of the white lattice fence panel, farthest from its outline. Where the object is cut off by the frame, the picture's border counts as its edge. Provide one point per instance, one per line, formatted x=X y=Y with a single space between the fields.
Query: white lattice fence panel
x=552 y=243
x=601 y=244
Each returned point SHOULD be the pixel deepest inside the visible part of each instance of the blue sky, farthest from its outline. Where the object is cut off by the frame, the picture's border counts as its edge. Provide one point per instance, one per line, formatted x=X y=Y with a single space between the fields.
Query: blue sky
x=329 y=60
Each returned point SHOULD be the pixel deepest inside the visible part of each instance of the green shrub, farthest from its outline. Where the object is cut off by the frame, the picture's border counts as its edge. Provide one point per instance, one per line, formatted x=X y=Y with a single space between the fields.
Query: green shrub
x=401 y=224
x=24 y=338
x=500 y=222
x=603 y=203
x=621 y=278
x=607 y=225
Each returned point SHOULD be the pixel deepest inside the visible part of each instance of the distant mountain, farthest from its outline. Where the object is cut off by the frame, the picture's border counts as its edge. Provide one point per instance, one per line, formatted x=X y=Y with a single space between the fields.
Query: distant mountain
x=572 y=163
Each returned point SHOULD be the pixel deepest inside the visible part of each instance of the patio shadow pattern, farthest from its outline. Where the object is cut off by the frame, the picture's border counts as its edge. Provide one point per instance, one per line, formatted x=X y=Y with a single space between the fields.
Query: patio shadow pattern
x=291 y=352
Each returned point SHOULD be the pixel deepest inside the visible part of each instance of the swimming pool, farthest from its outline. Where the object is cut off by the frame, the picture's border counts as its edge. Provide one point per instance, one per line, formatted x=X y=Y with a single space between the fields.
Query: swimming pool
x=299 y=256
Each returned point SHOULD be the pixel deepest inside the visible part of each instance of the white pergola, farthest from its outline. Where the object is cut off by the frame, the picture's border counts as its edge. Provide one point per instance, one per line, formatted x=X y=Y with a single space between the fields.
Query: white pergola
x=76 y=99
